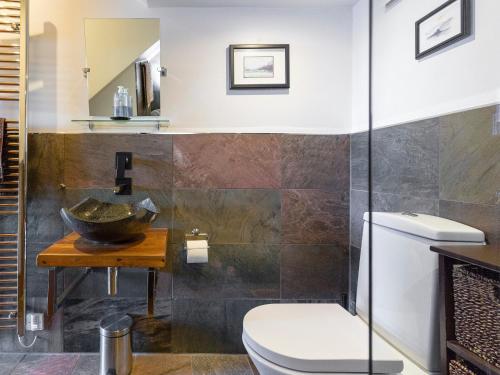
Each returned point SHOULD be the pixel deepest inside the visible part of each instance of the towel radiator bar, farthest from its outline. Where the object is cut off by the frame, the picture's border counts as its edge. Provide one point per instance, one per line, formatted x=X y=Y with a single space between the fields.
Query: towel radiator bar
x=13 y=84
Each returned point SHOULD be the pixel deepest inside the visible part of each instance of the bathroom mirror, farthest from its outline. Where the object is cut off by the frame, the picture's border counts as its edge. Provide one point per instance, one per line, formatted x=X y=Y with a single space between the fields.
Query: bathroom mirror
x=123 y=52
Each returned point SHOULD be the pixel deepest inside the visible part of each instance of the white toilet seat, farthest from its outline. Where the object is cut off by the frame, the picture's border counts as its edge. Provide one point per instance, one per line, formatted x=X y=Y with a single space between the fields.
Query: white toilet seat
x=281 y=336
x=271 y=368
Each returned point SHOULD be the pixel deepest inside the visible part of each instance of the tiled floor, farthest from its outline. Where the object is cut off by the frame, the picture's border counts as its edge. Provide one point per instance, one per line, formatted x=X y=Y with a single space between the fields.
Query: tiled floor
x=146 y=364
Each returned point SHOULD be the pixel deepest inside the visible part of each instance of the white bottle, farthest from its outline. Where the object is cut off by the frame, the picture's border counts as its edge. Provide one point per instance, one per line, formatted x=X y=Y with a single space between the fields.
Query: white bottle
x=120 y=103
x=127 y=100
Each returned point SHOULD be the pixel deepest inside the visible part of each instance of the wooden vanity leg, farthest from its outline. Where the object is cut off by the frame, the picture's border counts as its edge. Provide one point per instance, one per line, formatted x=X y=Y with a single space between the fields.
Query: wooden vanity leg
x=51 y=296
x=151 y=290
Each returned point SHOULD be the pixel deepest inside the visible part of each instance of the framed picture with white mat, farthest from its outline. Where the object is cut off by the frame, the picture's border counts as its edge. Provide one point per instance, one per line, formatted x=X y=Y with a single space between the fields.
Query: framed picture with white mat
x=259 y=66
x=442 y=27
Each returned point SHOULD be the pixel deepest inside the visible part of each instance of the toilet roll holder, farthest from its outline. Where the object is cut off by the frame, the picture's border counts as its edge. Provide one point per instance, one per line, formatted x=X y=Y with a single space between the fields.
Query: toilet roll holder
x=196 y=255
x=195 y=235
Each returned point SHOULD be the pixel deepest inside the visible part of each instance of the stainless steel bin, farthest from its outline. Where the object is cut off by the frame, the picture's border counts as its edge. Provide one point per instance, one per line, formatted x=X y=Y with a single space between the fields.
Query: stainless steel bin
x=116 y=347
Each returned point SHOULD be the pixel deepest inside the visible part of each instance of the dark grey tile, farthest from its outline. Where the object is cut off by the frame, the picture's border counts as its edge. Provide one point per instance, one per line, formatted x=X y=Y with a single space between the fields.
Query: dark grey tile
x=44 y=195
x=420 y=205
x=358 y=206
x=198 y=326
x=419 y=159
x=49 y=340
x=131 y=283
x=162 y=364
x=45 y=161
x=89 y=160
x=54 y=364
x=9 y=361
x=405 y=159
x=228 y=216
x=314 y=271
x=354 y=255
x=383 y=202
x=469 y=157
x=221 y=365
x=315 y=162
x=386 y=159
x=36 y=277
x=315 y=217
x=233 y=271
x=359 y=161
x=227 y=161
x=44 y=223
x=482 y=217
x=82 y=317
x=235 y=311
x=153 y=334
x=210 y=325
x=87 y=364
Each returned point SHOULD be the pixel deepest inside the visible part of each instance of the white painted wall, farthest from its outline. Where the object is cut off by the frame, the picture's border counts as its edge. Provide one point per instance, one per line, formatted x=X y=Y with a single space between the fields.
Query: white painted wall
x=360 y=66
x=462 y=77
x=193 y=47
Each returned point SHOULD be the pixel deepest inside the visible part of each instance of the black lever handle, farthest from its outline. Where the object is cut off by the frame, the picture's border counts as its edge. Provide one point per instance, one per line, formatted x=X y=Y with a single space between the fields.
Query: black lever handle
x=123 y=162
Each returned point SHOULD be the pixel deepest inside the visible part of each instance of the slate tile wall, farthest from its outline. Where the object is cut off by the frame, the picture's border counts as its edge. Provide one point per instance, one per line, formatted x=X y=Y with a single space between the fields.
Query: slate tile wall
x=276 y=208
x=448 y=166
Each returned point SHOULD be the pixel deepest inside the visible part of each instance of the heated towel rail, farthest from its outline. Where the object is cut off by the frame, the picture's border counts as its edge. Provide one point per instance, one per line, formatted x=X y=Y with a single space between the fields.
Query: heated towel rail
x=13 y=63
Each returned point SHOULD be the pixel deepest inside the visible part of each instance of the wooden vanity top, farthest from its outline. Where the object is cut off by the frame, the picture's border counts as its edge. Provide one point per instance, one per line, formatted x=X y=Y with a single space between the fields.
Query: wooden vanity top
x=486 y=256
x=75 y=251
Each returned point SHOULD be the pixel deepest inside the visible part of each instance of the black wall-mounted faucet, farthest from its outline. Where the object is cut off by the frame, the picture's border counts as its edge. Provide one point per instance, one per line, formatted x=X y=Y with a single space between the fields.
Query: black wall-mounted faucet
x=123 y=185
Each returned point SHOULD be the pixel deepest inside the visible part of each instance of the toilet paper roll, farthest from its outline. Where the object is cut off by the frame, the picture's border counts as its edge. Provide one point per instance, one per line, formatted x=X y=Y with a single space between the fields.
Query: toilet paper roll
x=197 y=255
x=197 y=244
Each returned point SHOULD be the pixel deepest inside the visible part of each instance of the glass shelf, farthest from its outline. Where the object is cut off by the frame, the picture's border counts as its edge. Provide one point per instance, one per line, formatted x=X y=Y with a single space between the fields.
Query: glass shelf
x=134 y=125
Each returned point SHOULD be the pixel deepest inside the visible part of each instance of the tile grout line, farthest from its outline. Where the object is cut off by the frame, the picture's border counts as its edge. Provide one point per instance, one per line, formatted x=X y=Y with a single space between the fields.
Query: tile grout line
x=18 y=363
x=73 y=369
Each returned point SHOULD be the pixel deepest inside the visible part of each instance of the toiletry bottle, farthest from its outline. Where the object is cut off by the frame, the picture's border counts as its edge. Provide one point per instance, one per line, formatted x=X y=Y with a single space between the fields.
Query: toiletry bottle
x=120 y=108
x=116 y=103
x=127 y=102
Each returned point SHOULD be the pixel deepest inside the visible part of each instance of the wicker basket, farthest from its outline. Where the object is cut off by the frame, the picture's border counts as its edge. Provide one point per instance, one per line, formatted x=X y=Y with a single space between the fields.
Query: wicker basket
x=476 y=293
x=460 y=367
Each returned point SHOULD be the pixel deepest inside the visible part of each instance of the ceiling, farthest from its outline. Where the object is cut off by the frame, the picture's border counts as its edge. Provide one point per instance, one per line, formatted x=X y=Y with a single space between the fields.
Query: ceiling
x=249 y=3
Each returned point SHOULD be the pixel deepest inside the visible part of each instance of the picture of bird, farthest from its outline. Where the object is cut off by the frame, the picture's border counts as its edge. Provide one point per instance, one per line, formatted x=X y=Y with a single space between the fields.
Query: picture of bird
x=440 y=28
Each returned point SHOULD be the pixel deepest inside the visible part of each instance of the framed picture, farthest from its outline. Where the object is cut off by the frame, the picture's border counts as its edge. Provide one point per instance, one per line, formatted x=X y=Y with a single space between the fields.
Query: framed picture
x=442 y=27
x=258 y=66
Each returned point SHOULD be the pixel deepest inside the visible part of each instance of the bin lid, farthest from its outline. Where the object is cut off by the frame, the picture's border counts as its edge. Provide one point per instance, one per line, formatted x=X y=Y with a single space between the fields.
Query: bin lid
x=115 y=325
x=427 y=226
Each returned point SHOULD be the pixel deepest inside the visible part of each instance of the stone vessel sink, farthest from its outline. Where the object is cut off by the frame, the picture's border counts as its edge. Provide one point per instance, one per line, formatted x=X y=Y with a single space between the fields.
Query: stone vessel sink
x=108 y=222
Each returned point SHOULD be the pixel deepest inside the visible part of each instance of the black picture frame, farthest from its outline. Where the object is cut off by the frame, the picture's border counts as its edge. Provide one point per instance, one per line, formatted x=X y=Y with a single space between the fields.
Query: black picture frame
x=465 y=29
x=234 y=47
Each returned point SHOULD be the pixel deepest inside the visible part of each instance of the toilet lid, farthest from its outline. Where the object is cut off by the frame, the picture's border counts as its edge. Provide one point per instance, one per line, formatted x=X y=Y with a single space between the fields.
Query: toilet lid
x=316 y=338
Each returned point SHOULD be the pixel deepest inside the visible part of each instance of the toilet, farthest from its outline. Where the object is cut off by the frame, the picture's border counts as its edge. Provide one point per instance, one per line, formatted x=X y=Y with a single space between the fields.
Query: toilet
x=298 y=339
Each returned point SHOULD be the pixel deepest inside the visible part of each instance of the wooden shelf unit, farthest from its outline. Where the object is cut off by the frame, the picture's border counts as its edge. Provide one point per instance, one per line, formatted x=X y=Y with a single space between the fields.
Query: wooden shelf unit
x=75 y=251
x=487 y=257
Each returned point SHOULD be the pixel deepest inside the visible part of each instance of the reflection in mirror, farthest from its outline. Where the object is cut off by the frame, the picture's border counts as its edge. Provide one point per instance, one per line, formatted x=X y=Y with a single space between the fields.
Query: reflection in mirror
x=123 y=52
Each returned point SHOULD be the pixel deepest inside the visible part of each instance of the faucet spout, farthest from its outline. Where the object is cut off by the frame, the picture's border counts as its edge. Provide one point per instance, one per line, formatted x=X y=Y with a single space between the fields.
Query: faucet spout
x=118 y=189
